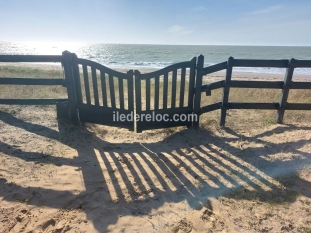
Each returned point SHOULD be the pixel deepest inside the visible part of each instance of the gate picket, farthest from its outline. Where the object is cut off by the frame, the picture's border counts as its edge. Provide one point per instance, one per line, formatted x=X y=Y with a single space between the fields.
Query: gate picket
x=86 y=84
x=104 y=86
x=95 y=87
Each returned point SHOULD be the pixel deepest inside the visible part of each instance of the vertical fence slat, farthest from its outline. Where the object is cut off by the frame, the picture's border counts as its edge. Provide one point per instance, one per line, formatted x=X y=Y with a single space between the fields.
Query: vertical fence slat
x=165 y=87
x=95 y=86
x=86 y=84
x=174 y=84
x=156 y=92
x=225 y=95
x=76 y=74
x=285 y=91
x=72 y=98
x=148 y=94
x=198 y=86
x=182 y=87
x=104 y=90
x=138 y=98
x=121 y=93
x=130 y=90
x=112 y=95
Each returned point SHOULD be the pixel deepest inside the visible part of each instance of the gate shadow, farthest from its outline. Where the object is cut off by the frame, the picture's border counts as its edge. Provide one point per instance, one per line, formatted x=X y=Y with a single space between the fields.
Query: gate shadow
x=135 y=178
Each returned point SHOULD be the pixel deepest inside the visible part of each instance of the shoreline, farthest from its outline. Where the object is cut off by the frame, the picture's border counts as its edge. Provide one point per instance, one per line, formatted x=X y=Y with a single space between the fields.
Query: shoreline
x=214 y=76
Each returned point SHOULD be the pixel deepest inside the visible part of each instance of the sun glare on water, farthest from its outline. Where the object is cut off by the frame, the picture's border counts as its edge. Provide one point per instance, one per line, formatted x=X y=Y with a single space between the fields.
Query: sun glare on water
x=44 y=48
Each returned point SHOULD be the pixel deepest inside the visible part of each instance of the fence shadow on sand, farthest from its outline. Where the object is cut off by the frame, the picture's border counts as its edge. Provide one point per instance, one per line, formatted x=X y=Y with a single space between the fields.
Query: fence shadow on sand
x=134 y=178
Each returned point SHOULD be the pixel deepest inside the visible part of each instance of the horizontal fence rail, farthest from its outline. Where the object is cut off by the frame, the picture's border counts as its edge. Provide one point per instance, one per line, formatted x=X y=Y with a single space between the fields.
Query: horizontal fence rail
x=32 y=81
x=31 y=101
x=260 y=63
x=213 y=68
x=31 y=58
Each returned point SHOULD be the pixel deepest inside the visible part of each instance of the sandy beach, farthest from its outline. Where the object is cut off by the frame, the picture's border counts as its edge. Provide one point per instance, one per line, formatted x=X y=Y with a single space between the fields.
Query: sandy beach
x=251 y=176
x=241 y=162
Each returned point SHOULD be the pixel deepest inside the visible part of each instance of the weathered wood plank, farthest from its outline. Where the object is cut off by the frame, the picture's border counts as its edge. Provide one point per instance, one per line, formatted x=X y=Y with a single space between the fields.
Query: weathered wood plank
x=213 y=68
x=130 y=88
x=212 y=86
x=300 y=85
x=156 y=92
x=257 y=84
x=32 y=81
x=104 y=87
x=298 y=106
x=284 y=95
x=86 y=84
x=138 y=98
x=147 y=94
x=165 y=91
x=303 y=63
x=76 y=75
x=182 y=87
x=121 y=93
x=260 y=63
x=31 y=101
x=62 y=110
x=226 y=89
x=104 y=115
x=30 y=58
x=197 y=97
x=95 y=86
x=174 y=84
x=193 y=63
x=252 y=106
x=210 y=107
x=72 y=98
x=112 y=94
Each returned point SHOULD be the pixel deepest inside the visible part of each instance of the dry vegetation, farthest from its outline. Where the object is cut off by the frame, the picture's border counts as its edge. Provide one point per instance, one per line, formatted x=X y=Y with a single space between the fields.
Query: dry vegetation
x=252 y=176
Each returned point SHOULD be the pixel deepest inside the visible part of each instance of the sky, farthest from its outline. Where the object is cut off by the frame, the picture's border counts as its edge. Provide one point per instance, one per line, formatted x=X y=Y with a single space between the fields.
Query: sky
x=201 y=22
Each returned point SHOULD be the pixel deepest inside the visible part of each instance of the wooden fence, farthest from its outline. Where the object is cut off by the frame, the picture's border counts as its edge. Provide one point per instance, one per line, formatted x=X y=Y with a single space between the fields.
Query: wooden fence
x=75 y=108
x=227 y=83
x=31 y=81
x=65 y=108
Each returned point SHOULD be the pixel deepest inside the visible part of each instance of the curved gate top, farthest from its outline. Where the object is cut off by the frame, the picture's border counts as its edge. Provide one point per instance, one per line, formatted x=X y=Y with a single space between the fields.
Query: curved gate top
x=163 y=98
x=103 y=94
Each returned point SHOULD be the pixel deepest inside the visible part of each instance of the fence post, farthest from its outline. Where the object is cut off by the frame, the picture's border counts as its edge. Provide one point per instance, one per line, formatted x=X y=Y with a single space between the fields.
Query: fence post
x=70 y=84
x=225 y=95
x=76 y=77
x=285 y=91
x=198 y=86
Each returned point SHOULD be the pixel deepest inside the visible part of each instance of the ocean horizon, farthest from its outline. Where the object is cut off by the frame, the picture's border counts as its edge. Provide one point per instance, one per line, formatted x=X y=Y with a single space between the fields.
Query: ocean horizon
x=152 y=56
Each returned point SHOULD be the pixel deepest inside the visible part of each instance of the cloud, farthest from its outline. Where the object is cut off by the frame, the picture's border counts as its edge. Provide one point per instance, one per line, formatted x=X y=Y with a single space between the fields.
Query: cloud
x=266 y=10
x=178 y=30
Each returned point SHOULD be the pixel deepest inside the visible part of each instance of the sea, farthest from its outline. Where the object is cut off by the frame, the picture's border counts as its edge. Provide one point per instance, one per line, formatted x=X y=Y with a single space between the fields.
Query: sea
x=151 y=56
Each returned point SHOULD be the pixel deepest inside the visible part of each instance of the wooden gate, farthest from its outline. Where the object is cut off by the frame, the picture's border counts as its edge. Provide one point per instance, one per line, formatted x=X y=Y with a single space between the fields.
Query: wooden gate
x=165 y=96
x=103 y=96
